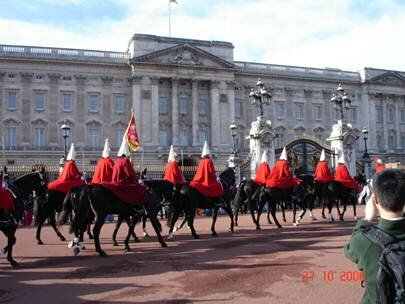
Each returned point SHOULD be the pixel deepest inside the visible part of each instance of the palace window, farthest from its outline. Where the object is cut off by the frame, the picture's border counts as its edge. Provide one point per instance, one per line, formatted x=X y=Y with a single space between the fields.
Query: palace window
x=353 y=114
x=279 y=110
x=299 y=111
x=119 y=135
x=379 y=114
x=202 y=137
x=94 y=138
x=402 y=141
x=279 y=141
x=12 y=100
x=403 y=116
x=379 y=142
x=39 y=137
x=93 y=103
x=11 y=137
x=163 y=105
x=39 y=77
x=163 y=138
x=318 y=112
x=39 y=101
x=67 y=102
x=119 y=81
x=119 y=104
x=202 y=106
x=391 y=115
x=183 y=106
x=391 y=141
x=183 y=138
x=238 y=109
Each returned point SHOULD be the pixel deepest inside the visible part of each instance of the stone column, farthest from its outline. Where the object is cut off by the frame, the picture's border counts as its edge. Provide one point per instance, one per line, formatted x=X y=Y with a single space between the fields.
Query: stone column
x=231 y=103
x=175 y=112
x=397 y=120
x=385 y=128
x=214 y=96
x=137 y=102
x=194 y=86
x=155 y=110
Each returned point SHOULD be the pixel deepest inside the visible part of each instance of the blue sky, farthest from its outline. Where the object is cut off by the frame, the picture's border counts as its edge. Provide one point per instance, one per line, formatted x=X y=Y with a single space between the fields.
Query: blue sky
x=347 y=34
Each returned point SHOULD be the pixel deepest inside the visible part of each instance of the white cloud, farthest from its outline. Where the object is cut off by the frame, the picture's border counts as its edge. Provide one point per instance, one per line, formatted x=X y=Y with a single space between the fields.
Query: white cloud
x=314 y=33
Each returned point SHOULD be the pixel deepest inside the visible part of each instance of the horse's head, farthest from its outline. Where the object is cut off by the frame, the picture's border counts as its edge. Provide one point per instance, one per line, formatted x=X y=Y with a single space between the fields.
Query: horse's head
x=143 y=175
x=34 y=181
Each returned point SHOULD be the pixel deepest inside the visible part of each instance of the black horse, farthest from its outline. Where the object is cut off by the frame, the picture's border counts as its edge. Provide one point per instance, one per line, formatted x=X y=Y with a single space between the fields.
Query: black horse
x=187 y=199
x=23 y=188
x=343 y=195
x=162 y=190
x=103 y=202
x=247 y=193
x=47 y=207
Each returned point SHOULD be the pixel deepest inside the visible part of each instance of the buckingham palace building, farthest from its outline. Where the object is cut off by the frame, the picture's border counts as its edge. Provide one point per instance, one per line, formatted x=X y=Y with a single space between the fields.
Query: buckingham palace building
x=183 y=92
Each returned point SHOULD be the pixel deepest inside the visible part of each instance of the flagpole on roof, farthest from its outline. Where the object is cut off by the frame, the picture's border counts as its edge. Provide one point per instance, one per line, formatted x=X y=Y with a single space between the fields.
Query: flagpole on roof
x=170 y=21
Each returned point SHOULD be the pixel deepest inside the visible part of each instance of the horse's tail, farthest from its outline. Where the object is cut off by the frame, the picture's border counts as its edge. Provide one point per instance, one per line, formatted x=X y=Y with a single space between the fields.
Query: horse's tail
x=67 y=207
x=238 y=196
x=174 y=201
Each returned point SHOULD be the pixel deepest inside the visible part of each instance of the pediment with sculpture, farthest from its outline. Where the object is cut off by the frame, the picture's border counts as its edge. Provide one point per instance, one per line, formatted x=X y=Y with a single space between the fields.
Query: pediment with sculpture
x=389 y=78
x=185 y=55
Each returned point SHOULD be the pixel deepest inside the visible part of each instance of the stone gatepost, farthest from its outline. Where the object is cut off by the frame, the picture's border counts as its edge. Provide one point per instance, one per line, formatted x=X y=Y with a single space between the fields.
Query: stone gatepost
x=342 y=140
x=260 y=138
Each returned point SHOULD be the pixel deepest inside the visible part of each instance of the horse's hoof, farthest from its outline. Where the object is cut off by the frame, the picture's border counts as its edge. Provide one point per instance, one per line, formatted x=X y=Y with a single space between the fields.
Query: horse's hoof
x=175 y=228
x=62 y=238
x=102 y=253
x=13 y=263
x=279 y=226
x=39 y=242
x=258 y=228
x=137 y=240
x=76 y=251
x=314 y=218
x=145 y=235
x=196 y=236
x=214 y=234
x=163 y=244
x=295 y=224
x=71 y=244
x=91 y=237
x=323 y=216
x=355 y=218
x=127 y=249
x=115 y=243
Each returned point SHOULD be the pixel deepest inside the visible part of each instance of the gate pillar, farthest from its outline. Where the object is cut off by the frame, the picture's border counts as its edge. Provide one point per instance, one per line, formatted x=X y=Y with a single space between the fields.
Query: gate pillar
x=261 y=138
x=342 y=140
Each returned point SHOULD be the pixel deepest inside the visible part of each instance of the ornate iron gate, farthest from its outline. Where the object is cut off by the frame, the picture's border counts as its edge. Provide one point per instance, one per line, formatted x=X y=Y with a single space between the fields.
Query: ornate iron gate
x=304 y=153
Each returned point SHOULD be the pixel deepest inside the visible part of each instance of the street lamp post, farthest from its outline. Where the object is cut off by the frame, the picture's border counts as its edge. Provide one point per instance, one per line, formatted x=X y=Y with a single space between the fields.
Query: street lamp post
x=234 y=131
x=366 y=156
x=233 y=158
x=65 y=134
x=340 y=100
x=260 y=96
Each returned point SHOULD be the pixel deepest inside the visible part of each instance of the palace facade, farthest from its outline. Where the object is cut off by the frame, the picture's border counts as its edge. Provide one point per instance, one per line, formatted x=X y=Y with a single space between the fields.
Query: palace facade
x=183 y=92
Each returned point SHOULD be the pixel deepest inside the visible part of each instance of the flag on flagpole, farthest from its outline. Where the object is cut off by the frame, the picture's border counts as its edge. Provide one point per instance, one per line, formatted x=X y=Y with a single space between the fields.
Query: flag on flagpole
x=172 y=1
x=131 y=135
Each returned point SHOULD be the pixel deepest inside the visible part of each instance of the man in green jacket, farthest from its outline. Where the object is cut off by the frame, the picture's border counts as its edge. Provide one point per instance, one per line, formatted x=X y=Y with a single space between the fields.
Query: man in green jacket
x=387 y=201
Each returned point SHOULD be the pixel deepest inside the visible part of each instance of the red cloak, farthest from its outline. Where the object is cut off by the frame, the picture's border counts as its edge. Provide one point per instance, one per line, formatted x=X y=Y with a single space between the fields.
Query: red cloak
x=379 y=167
x=124 y=183
x=6 y=198
x=281 y=176
x=262 y=174
x=68 y=179
x=173 y=173
x=103 y=171
x=342 y=176
x=205 y=179
x=322 y=173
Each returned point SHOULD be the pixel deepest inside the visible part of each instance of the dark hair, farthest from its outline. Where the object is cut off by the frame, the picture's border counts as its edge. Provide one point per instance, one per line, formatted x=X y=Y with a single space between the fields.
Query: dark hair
x=389 y=187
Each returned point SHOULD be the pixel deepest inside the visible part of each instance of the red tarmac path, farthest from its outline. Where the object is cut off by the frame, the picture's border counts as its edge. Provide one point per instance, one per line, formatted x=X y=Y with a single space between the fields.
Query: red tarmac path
x=291 y=265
